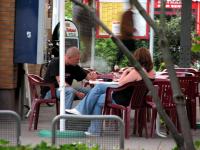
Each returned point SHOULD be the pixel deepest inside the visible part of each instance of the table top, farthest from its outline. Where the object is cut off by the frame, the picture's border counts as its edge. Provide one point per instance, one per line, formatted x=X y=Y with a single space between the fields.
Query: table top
x=103 y=82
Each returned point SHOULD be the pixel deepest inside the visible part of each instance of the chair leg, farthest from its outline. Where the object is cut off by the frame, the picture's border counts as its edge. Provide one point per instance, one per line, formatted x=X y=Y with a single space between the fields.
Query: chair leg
x=153 y=121
x=193 y=114
x=135 y=122
x=148 y=114
x=127 y=122
x=142 y=121
x=32 y=115
x=36 y=115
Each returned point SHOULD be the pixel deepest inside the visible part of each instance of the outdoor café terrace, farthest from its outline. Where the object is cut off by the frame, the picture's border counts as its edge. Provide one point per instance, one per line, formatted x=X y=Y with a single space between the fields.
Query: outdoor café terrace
x=113 y=134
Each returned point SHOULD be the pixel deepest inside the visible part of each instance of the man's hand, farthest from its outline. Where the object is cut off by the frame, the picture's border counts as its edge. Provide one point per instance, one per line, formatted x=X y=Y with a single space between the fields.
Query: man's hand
x=80 y=95
x=92 y=75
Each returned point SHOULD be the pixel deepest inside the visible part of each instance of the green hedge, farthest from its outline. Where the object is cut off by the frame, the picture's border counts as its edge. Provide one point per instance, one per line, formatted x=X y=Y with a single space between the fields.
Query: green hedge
x=196 y=144
x=4 y=145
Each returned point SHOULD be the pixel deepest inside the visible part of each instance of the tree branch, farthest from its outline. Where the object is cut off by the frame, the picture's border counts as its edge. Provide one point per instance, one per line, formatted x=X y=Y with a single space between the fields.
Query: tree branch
x=175 y=86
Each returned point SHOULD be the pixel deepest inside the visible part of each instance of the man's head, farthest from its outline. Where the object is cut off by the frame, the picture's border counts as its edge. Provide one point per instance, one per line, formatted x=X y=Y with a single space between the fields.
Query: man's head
x=72 y=56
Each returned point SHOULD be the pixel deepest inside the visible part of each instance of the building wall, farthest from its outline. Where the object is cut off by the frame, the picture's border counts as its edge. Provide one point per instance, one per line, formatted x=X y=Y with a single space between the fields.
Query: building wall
x=11 y=83
x=8 y=71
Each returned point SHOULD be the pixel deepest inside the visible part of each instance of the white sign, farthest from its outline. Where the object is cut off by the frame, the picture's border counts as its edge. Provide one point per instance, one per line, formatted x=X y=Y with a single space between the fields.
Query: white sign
x=71 y=29
x=116 y=27
x=71 y=34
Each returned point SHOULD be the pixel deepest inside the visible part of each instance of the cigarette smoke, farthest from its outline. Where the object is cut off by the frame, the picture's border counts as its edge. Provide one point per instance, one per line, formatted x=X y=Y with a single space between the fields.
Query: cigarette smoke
x=100 y=65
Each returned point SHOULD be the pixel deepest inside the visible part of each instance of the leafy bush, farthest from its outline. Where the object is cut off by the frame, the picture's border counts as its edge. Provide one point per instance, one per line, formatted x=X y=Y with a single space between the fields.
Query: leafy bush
x=196 y=144
x=44 y=146
x=107 y=49
x=196 y=44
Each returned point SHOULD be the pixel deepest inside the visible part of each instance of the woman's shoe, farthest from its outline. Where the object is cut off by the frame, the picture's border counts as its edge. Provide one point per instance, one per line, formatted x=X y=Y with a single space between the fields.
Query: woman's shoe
x=91 y=134
x=72 y=111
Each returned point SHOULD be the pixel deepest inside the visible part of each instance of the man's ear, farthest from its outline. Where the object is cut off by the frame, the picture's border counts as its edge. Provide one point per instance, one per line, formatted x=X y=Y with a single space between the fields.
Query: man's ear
x=66 y=57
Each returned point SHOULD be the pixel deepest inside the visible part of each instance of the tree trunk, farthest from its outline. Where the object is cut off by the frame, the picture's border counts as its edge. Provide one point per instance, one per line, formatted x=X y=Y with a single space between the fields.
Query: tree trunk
x=186 y=21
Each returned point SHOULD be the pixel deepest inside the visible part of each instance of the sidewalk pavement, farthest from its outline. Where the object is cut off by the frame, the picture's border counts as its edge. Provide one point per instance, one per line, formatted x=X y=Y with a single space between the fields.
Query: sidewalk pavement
x=134 y=143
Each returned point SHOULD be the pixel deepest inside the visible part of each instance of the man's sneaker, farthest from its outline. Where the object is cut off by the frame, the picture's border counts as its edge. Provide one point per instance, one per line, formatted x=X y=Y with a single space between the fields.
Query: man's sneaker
x=72 y=111
x=91 y=134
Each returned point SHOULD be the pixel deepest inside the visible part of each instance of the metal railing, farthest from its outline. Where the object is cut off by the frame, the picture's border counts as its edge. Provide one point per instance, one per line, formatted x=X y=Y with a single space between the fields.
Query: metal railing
x=10 y=128
x=109 y=133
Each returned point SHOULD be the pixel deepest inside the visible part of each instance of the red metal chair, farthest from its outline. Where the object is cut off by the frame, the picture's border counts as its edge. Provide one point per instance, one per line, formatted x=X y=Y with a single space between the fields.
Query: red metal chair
x=138 y=91
x=189 y=86
x=191 y=70
x=197 y=74
x=166 y=97
x=178 y=74
x=35 y=83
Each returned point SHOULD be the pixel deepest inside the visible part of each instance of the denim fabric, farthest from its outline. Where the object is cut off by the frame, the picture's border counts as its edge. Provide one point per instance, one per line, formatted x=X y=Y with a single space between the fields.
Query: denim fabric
x=92 y=104
x=69 y=95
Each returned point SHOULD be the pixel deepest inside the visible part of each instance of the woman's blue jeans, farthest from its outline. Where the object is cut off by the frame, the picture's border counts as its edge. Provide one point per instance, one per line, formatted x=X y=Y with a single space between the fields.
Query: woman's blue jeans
x=92 y=104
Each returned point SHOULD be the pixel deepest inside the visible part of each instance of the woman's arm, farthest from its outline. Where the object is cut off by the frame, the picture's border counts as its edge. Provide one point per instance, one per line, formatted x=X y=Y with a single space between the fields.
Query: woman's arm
x=129 y=75
x=133 y=75
x=125 y=72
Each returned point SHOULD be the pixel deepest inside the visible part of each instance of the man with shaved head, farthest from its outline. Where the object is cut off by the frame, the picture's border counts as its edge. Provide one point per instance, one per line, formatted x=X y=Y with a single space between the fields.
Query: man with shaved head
x=72 y=71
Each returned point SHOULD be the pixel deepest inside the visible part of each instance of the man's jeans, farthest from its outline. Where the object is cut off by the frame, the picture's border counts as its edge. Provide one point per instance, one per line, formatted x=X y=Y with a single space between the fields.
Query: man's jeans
x=69 y=95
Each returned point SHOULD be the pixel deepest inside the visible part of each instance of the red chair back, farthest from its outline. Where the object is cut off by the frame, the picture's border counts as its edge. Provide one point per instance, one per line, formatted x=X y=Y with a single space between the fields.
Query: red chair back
x=34 y=80
x=197 y=74
x=165 y=93
x=189 y=86
x=35 y=83
x=191 y=70
x=129 y=96
x=178 y=74
x=139 y=93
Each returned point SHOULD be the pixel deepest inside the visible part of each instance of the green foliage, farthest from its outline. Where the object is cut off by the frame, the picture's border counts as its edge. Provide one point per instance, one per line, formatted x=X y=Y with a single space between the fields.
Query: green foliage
x=68 y=9
x=107 y=49
x=173 y=36
x=196 y=144
x=3 y=142
x=196 y=44
x=44 y=146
